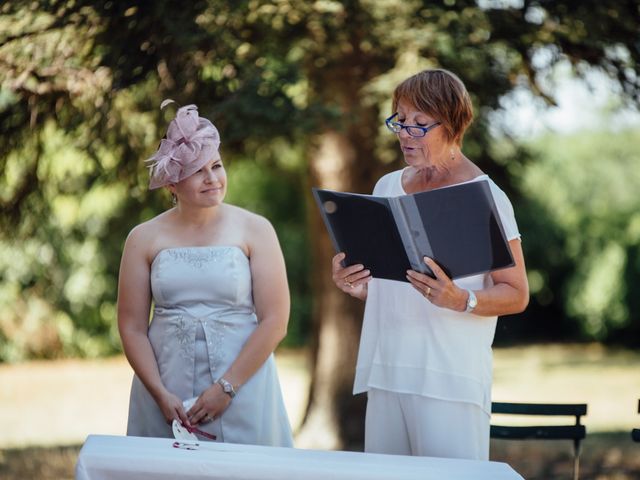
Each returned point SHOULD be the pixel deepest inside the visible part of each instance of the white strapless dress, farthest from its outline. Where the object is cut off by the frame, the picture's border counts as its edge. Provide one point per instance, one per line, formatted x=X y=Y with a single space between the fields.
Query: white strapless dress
x=202 y=317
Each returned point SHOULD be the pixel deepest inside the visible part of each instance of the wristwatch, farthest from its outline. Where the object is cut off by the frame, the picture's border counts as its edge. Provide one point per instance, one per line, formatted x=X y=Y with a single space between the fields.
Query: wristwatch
x=472 y=301
x=226 y=387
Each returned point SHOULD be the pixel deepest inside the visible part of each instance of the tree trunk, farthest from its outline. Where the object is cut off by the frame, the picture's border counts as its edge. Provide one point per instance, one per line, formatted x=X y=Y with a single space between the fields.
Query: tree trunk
x=334 y=417
x=341 y=160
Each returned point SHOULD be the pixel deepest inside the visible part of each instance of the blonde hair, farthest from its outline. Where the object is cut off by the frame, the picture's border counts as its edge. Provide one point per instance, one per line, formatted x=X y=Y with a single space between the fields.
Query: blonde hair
x=443 y=96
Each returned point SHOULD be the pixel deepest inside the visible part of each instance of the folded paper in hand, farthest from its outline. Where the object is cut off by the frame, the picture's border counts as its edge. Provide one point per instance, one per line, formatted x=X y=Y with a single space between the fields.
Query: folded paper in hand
x=182 y=432
x=458 y=226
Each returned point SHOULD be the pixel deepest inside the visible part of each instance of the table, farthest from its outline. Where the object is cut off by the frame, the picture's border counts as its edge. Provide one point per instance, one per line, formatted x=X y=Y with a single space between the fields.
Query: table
x=105 y=457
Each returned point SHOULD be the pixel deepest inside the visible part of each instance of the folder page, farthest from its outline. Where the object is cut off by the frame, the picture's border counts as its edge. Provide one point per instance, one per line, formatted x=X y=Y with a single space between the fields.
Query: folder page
x=463 y=228
x=363 y=227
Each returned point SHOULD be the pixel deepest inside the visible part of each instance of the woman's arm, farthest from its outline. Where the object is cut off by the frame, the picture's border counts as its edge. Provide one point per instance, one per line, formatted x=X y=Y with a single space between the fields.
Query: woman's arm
x=510 y=291
x=509 y=294
x=134 y=303
x=272 y=303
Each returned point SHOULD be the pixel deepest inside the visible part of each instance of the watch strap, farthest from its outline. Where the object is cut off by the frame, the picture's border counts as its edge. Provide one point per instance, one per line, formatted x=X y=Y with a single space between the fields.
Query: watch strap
x=472 y=301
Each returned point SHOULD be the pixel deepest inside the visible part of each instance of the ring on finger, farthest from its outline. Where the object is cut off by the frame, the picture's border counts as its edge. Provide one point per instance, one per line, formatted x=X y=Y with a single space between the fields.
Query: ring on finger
x=428 y=291
x=348 y=284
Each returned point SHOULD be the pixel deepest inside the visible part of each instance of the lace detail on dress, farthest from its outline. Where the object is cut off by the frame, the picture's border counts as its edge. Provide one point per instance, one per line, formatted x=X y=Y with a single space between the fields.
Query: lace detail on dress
x=198 y=257
x=183 y=332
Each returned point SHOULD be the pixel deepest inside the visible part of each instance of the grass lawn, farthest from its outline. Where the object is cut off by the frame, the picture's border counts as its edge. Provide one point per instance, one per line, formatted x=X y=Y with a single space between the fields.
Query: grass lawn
x=48 y=408
x=607 y=380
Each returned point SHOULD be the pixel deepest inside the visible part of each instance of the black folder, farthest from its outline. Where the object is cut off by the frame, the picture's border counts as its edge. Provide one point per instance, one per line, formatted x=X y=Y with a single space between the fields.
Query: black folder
x=458 y=226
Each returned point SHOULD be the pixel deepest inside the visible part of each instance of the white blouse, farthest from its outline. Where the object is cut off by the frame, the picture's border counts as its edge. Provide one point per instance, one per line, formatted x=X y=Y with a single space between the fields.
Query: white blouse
x=409 y=345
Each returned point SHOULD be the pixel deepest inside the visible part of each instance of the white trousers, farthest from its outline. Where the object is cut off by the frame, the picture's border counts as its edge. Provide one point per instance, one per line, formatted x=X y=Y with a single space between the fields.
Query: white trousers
x=404 y=424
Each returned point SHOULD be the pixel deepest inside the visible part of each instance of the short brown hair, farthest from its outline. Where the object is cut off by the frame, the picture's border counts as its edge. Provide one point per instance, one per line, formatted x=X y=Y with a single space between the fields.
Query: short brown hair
x=442 y=95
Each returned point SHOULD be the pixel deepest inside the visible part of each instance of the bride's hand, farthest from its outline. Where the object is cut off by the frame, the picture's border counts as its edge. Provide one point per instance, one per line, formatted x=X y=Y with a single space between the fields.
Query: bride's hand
x=210 y=405
x=172 y=409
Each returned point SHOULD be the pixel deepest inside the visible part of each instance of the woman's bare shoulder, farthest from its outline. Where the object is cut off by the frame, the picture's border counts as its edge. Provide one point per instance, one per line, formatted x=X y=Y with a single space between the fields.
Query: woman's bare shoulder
x=247 y=218
x=254 y=229
x=149 y=227
x=145 y=237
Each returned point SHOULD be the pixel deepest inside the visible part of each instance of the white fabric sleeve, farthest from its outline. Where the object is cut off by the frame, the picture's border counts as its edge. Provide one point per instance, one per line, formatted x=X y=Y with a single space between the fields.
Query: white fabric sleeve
x=505 y=210
x=389 y=185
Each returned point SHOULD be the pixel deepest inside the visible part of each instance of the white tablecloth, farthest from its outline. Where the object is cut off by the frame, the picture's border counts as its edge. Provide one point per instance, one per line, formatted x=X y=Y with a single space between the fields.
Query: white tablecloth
x=105 y=457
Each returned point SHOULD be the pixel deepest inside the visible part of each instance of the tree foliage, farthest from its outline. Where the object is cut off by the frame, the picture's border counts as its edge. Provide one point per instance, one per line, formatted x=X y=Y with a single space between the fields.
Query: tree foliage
x=580 y=199
x=298 y=90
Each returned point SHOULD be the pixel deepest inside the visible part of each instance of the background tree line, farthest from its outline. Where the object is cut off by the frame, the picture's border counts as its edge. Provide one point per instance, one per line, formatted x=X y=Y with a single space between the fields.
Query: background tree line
x=299 y=91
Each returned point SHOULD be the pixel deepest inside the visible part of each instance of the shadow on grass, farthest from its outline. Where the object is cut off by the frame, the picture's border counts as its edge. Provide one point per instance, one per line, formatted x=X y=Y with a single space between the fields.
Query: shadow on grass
x=605 y=456
x=43 y=463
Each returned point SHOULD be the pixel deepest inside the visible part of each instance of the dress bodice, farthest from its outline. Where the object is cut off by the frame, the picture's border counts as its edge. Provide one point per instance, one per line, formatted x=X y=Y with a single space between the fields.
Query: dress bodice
x=202 y=281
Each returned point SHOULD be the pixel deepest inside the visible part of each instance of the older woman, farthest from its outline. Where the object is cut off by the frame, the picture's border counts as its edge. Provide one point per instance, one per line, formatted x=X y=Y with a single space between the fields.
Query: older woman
x=425 y=356
x=217 y=279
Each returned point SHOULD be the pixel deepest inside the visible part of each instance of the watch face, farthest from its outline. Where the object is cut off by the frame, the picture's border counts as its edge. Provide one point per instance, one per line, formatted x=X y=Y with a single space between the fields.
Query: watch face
x=472 y=301
x=227 y=387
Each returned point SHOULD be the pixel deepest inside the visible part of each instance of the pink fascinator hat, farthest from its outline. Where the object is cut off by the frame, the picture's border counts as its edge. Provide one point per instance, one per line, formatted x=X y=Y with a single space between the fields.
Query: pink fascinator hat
x=191 y=142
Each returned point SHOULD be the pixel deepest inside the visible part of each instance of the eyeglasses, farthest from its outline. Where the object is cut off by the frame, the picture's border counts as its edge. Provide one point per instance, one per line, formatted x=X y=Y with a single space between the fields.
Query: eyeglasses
x=413 y=130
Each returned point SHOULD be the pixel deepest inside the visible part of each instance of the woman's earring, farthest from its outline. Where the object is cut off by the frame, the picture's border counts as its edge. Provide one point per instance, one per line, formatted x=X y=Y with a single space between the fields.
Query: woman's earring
x=174 y=199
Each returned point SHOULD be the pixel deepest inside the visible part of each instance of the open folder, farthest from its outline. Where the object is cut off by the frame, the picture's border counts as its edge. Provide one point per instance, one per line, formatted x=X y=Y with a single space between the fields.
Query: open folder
x=458 y=226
